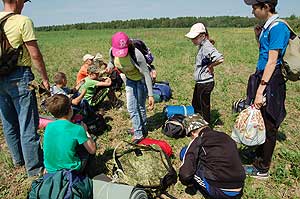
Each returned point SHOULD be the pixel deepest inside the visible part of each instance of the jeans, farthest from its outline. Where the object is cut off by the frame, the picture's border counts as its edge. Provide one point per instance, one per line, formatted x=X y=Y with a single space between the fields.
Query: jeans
x=20 y=119
x=136 y=94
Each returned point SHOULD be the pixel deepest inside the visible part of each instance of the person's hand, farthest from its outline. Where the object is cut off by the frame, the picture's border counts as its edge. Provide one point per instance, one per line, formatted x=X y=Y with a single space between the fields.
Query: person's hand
x=211 y=69
x=258 y=102
x=153 y=75
x=46 y=84
x=151 y=103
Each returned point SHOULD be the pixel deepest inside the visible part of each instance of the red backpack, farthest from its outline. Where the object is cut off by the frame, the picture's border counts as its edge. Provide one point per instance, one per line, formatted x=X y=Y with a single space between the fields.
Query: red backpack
x=162 y=144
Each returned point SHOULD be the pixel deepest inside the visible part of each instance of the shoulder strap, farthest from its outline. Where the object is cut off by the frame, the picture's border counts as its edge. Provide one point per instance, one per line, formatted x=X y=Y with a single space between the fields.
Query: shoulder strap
x=293 y=33
x=3 y=19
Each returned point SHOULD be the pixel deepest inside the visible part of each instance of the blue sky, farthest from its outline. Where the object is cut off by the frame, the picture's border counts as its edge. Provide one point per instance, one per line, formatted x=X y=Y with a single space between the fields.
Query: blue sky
x=55 y=12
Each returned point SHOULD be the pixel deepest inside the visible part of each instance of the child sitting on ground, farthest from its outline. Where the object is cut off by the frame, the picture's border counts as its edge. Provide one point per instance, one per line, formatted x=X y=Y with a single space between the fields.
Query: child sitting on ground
x=66 y=145
x=211 y=162
x=96 y=89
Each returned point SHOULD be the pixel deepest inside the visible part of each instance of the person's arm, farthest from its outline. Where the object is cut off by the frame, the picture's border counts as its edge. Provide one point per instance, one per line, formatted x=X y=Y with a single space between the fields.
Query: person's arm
x=270 y=67
x=38 y=61
x=189 y=164
x=212 y=65
x=143 y=68
x=106 y=82
x=78 y=99
x=90 y=144
x=110 y=65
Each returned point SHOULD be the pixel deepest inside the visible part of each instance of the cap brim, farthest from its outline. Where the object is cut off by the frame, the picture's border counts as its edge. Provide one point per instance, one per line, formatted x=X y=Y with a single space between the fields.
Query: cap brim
x=250 y=2
x=119 y=52
x=192 y=35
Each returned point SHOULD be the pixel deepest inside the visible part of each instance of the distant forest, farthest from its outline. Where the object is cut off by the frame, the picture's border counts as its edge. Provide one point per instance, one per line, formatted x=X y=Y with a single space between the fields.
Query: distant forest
x=179 y=22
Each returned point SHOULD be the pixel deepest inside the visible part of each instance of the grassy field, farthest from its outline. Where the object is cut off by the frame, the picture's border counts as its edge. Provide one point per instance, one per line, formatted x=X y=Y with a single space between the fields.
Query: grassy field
x=174 y=59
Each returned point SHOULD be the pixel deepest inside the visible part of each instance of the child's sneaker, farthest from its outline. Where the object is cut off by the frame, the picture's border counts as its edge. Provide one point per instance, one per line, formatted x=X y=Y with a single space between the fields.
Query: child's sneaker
x=251 y=171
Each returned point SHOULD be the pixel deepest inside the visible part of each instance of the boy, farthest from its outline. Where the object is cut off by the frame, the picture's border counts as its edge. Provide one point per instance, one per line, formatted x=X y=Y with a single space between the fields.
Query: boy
x=62 y=138
x=91 y=85
x=88 y=60
x=211 y=163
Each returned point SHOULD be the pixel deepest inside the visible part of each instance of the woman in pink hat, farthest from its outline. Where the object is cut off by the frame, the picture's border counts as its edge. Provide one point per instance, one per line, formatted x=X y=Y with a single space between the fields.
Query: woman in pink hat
x=207 y=58
x=132 y=63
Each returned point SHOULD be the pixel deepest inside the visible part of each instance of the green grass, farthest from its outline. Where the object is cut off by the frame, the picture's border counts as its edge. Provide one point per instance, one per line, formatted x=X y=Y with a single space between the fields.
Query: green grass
x=174 y=59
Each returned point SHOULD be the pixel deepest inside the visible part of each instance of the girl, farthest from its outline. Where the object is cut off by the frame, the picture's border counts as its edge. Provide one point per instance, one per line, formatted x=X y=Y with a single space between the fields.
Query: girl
x=207 y=58
x=138 y=81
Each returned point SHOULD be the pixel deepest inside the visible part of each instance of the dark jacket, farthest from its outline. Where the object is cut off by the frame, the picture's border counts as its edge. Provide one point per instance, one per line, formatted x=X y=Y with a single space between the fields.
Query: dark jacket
x=216 y=155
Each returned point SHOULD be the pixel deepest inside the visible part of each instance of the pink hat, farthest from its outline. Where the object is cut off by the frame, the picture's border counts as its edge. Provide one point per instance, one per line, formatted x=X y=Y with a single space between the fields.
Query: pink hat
x=119 y=42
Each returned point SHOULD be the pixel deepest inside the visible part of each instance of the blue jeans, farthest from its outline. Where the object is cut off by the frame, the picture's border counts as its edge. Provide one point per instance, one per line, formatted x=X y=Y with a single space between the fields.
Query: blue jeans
x=136 y=94
x=20 y=119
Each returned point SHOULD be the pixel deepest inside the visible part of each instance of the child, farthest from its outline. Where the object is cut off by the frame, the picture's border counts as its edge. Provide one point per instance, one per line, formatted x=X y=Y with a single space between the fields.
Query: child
x=138 y=81
x=211 y=163
x=91 y=86
x=207 y=58
x=88 y=60
x=62 y=138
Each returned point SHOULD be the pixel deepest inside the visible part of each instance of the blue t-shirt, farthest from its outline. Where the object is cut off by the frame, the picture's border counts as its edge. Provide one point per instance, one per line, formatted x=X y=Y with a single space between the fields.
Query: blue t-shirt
x=273 y=37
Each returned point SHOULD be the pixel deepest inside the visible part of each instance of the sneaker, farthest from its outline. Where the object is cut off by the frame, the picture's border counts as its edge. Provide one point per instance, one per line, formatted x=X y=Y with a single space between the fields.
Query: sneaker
x=252 y=171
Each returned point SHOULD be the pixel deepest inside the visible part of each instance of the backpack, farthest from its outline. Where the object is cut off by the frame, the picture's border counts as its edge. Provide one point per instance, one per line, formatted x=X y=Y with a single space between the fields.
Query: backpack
x=291 y=59
x=167 y=149
x=146 y=167
x=141 y=46
x=162 y=91
x=8 y=55
x=171 y=110
x=62 y=184
x=174 y=128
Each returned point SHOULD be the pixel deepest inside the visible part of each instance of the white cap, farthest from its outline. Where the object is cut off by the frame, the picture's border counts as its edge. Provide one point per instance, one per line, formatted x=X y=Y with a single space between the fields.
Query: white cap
x=87 y=56
x=196 y=29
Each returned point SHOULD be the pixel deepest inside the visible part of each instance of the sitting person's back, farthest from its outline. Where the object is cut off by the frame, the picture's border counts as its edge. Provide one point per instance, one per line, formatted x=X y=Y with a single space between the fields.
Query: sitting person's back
x=88 y=60
x=63 y=138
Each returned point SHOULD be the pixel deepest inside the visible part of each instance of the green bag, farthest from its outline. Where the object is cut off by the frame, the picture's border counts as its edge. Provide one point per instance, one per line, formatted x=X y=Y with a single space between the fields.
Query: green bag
x=146 y=167
x=62 y=185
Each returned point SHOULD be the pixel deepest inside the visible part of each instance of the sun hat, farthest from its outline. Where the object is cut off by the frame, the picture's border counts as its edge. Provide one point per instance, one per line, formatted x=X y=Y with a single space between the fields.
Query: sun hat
x=252 y=2
x=119 y=44
x=196 y=29
x=87 y=57
x=98 y=57
x=193 y=122
x=93 y=69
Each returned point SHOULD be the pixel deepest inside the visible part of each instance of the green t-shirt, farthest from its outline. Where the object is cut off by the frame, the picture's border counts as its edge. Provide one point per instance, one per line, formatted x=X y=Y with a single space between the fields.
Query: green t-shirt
x=125 y=65
x=90 y=86
x=60 y=141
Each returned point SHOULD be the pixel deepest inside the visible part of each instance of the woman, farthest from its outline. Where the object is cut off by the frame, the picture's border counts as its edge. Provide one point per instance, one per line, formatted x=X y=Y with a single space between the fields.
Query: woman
x=138 y=81
x=268 y=81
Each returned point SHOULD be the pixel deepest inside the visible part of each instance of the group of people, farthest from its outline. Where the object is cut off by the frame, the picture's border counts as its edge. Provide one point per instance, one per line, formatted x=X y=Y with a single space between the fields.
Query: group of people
x=217 y=172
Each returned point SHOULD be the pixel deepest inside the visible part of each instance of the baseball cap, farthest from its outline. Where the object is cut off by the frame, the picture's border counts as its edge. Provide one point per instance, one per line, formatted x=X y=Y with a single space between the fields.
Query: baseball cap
x=26 y=1
x=196 y=29
x=119 y=44
x=252 y=2
x=87 y=56
x=98 y=57
x=194 y=122
x=93 y=69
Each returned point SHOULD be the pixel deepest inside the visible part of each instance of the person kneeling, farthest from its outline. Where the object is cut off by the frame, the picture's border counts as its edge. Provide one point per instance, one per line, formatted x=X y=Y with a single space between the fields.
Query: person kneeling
x=66 y=145
x=211 y=163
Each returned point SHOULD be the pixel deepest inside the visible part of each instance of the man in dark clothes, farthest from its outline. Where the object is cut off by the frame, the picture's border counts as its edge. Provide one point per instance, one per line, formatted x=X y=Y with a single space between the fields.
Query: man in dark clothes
x=211 y=163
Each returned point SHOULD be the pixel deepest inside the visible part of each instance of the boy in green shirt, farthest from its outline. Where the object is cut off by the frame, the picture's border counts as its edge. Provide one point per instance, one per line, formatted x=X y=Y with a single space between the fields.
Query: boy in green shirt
x=62 y=138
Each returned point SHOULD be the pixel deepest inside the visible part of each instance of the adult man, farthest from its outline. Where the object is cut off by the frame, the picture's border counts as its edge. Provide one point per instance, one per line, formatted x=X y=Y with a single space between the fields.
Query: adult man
x=18 y=104
x=268 y=80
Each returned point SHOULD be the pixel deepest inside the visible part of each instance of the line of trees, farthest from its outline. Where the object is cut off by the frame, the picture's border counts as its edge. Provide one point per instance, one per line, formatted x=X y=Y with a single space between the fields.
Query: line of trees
x=179 y=22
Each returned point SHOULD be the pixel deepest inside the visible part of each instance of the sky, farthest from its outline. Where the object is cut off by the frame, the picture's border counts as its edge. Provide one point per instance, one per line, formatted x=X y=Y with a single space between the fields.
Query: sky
x=57 y=12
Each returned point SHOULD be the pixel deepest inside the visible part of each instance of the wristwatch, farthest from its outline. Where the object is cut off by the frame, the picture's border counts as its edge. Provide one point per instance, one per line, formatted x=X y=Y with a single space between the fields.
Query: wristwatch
x=263 y=82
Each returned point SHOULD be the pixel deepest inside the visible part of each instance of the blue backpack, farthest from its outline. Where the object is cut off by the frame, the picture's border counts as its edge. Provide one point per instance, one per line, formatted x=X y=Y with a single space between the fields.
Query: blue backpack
x=162 y=91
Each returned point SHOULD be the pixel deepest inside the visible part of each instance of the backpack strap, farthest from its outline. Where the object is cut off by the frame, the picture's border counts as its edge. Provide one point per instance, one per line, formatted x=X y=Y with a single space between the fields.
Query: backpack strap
x=3 y=19
x=293 y=33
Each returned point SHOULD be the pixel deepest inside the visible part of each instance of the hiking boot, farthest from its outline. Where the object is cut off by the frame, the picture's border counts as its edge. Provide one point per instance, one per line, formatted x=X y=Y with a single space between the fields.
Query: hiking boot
x=253 y=172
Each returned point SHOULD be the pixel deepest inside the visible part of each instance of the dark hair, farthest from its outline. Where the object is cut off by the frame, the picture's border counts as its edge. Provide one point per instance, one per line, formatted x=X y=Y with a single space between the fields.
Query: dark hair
x=271 y=5
x=207 y=36
x=59 y=77
x=58 y=105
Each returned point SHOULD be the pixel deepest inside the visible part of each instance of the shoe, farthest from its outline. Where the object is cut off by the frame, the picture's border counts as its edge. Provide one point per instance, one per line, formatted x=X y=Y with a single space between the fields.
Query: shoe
x=253 y=172
x=137 y=141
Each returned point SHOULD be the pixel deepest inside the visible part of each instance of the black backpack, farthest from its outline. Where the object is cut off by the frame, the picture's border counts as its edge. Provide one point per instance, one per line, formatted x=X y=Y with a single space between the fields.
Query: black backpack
x=8 y=56
x=141 y=46
x=174 y=127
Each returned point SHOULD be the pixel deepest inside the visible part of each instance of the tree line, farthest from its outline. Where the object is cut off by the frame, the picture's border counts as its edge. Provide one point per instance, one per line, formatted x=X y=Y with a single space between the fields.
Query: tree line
x=179 y=22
